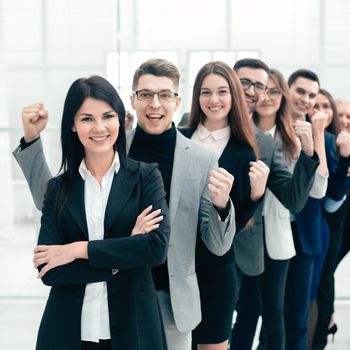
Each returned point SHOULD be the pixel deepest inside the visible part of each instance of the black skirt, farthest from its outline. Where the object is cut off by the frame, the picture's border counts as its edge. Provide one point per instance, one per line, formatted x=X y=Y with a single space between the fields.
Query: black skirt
x=218 y=286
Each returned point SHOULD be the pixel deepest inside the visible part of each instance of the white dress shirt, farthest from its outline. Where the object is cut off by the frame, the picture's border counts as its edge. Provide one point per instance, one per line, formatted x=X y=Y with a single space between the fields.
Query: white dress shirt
x=215 y=140
x=95 y=315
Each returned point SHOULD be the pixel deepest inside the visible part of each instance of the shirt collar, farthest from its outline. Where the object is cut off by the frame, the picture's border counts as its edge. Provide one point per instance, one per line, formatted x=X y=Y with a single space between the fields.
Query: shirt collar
x=115 y=166
x=219 y=134
x=272 y=131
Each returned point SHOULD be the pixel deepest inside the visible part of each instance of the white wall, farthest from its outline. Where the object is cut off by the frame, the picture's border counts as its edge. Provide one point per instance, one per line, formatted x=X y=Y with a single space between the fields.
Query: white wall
x=46 y=44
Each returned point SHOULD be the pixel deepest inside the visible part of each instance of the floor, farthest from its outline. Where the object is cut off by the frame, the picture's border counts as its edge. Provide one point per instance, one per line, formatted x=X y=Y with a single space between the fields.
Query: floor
x=23 y=296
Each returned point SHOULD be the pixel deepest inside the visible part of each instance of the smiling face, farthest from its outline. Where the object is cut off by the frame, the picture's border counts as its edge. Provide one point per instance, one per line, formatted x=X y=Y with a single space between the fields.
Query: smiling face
x=155 y=116
x=215 y=101
x=97 y=127
x=256 y=76
x=303 y=93
x=270 y=101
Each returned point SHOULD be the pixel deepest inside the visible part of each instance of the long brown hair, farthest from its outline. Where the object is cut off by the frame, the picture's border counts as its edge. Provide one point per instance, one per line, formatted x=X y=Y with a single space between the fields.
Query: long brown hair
x=334 y=126
x=238 y=117
x=283 y=116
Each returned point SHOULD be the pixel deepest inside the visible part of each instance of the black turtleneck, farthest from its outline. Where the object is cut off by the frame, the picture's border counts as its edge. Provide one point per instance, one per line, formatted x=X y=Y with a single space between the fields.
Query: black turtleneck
x=157 y=149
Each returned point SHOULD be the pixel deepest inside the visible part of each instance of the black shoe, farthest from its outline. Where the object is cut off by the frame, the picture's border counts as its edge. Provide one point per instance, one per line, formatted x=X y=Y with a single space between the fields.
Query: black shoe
x=332 y=330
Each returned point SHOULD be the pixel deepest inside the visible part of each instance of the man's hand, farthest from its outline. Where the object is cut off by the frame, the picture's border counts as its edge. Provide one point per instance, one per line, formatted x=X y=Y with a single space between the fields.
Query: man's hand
x=343 y=142
x=258 y=174
x=220 y=184
x=34 y=120
x=304 y=132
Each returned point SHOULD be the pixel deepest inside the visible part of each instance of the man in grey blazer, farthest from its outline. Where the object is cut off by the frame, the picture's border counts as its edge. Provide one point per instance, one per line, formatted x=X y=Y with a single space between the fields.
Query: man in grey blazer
x=198 y=195
x=291 y=189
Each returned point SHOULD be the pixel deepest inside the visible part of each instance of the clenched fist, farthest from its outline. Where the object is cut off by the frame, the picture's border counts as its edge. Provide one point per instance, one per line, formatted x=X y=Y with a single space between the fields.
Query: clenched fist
x=258 y=174
x=220 y=184
x=34 y=120
x=304 y=132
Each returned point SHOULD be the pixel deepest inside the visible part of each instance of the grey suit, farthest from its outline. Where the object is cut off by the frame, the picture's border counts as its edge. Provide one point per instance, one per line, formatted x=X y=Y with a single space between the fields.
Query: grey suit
x=291 y=190
x=190 y=208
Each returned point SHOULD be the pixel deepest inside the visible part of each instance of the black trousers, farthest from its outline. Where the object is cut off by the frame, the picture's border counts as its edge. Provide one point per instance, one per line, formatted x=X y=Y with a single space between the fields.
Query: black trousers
x=263 y=294
x=297 y=296
x=325 y=294
x=102 y=345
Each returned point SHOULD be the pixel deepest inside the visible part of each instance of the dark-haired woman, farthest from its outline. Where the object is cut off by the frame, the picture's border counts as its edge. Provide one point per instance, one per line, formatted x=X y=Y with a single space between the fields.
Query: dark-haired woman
x=95 y=248
x=219 y=120
x=334 y=213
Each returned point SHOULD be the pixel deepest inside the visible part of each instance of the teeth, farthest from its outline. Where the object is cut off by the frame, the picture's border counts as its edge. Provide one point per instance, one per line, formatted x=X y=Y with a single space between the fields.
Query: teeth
x=154 y=116
x=215 y=108
x=99 y=138
x=301 y=105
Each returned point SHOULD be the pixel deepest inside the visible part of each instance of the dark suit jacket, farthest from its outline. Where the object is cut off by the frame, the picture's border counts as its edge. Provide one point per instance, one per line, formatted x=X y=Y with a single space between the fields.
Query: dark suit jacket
x=135 y=320
x=309 y=219
x=291 y=190
x=235 y=159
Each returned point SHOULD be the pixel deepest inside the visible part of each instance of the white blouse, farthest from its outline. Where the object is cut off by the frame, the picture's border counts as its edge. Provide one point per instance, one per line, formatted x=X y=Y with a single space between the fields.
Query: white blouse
x=95 y=315
x=215 y=140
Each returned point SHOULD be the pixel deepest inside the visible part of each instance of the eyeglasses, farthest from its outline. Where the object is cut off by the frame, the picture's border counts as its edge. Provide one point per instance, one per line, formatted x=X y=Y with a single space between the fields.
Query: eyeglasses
x=164 y=96
x=258 y=87
x=273 y=93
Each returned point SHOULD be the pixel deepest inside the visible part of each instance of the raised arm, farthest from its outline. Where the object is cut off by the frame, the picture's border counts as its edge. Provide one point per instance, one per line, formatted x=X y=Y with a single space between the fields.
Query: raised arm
x=293 y=190
x=339 y=181
x=217 y=214
x=30 y=155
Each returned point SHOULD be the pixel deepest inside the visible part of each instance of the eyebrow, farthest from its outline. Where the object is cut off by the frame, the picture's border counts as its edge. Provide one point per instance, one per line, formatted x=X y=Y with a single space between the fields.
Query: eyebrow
x=219 y=87
x=91 y=115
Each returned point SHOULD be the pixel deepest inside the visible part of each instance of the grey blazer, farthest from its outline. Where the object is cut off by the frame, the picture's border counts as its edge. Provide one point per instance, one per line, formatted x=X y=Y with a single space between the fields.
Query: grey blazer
x=190 y=207
x=291 y=190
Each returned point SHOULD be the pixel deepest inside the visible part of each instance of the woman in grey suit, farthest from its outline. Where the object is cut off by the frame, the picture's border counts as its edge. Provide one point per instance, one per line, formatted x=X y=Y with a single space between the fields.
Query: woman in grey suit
x=94 y=249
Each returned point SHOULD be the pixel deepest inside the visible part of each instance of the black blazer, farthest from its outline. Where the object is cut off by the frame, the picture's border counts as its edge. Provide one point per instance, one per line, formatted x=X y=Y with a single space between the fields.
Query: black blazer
x=135 y=319
x=235 y=159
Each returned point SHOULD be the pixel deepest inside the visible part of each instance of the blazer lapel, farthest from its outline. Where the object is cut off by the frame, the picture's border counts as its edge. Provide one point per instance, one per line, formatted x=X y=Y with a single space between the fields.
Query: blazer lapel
x=228 y=152
x=182 y=158
x=122 y=187
x=76 y=204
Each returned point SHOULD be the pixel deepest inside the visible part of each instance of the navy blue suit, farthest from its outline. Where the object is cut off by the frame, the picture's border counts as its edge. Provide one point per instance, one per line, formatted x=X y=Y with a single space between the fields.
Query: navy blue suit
x=311 y=243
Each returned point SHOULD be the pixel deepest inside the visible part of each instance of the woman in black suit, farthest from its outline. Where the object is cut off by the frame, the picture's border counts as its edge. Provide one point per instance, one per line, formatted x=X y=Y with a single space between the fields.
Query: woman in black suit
x=219 y=120
x=94 y=248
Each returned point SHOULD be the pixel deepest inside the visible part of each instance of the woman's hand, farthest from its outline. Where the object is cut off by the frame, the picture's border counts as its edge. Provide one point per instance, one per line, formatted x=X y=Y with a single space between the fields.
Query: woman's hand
x=220 y=184
x=258 y=174
x=147 y=221
x=57 y=255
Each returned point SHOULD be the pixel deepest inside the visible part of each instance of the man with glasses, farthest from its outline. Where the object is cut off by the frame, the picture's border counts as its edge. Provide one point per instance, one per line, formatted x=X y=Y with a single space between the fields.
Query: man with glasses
x=197 y=194
x=291 y=190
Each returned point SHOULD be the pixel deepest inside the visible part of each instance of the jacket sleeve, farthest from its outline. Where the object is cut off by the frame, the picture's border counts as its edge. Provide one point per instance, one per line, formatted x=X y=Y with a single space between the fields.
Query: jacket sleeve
x=339 y=182
x=33 y=163
x=292 y=190
x=215 y=233
x=149 y=249
x=76 y=272
x=245 y=207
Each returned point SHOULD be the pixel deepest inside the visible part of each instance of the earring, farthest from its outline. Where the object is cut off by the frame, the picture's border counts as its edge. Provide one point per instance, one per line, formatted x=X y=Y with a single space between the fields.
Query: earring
x=74 y=129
